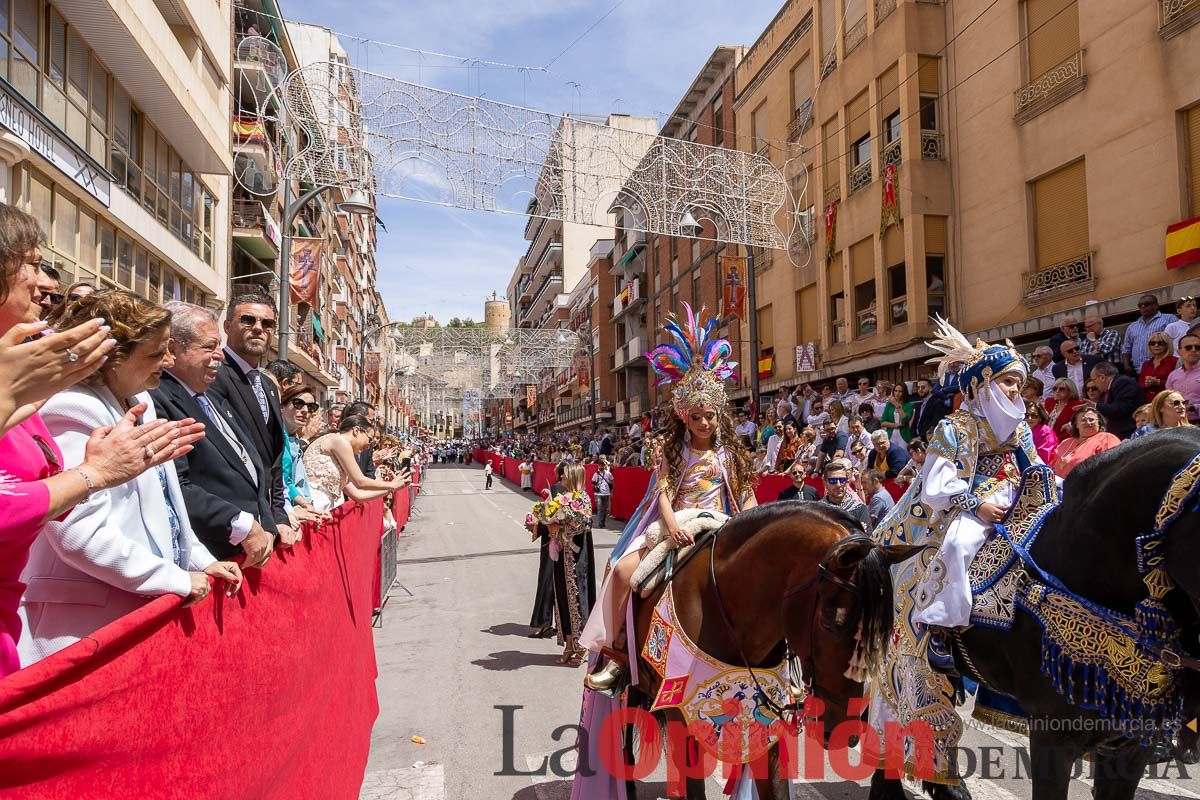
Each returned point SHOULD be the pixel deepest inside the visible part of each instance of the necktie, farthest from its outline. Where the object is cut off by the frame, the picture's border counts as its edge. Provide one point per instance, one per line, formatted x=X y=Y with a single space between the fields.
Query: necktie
x=223 y=426
x=256 y=384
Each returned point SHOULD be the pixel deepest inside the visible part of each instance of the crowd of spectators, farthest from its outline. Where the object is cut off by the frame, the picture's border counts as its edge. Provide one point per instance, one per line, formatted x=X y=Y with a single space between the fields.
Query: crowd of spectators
x=144 y=447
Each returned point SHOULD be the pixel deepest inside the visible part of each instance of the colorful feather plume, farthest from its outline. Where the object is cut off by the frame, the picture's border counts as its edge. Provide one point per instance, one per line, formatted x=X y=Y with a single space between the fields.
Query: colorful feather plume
x=693 y=349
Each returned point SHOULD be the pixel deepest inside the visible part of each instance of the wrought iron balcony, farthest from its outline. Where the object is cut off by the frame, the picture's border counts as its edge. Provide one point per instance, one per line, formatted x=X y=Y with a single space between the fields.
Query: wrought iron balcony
x=1050 y=88
x=883 y=9
x=763 y=150
x=860 y=176
x=833 y=193
x=933 y=146
x=801 y=121
x=828 y=63
x=1063 y=279
x=1176 y=16
x=891 y=155
x=855 y=35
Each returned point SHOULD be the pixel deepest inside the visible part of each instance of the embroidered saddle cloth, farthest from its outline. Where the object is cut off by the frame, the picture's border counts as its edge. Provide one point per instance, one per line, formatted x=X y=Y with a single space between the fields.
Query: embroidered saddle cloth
x=722 y=704
x=996 y=573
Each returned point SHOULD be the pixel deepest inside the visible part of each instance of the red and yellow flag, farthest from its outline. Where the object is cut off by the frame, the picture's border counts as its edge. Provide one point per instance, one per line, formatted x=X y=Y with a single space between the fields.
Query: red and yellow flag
x=1183 y=243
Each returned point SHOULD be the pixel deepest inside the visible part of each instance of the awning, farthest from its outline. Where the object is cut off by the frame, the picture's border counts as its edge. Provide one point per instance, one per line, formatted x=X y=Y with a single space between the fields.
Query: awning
x=630 y=254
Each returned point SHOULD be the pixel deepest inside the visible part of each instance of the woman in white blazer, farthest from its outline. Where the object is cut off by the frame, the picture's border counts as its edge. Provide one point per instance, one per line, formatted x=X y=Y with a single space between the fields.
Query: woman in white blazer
x=121 y=547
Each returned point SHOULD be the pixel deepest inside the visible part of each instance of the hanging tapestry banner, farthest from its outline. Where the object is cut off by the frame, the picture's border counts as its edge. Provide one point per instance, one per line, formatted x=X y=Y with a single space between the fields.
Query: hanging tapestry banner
x=733 y=287
x=372 y=367
x=304 y=276
x=831 y=230
x=890 y=213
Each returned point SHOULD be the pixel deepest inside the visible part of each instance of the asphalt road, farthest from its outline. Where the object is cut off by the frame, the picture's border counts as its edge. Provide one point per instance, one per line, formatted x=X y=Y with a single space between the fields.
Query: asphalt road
x=454 y=646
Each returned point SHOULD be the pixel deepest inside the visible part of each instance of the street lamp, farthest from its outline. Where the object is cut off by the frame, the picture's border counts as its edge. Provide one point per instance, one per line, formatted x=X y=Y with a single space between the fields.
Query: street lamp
x=357 y=204
x=362 y=350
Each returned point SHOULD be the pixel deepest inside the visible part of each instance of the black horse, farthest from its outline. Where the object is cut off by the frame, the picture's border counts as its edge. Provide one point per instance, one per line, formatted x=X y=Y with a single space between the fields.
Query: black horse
x=1088 y=543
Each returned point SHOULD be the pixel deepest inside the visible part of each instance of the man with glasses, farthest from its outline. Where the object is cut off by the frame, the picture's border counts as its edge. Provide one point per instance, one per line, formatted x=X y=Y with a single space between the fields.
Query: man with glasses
x=1136 y=347
x=1185 y=379
x=1098 y=340
x=1043 y=369
x=252 y=396
x=1119 y=397
x=48 y=281
x=838 y=494
x=799 y=490
x=1075 y=366
x=1068 y=331
x=862 y=395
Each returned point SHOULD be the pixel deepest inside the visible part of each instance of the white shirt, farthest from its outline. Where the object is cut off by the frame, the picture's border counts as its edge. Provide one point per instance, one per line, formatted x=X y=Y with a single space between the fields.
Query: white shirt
x=1075 y=373
x=1046 y=376
x=747 y=428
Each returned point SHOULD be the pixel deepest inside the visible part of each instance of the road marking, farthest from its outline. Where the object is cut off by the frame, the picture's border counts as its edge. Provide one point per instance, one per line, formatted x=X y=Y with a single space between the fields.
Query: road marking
x=424 y=782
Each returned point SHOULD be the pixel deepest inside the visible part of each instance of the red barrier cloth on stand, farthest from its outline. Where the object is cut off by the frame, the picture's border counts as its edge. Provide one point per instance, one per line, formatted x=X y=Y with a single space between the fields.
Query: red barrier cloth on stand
x=512 y=471
x=629 y=487
x=270 y=694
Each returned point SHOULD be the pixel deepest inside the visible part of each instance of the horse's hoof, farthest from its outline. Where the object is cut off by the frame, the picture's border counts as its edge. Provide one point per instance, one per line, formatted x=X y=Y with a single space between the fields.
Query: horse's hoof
x=883 y=788
x=943 y=791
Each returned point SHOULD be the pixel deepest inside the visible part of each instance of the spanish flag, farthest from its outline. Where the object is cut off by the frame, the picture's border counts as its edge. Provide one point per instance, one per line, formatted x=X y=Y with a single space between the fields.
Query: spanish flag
x=766 y=366
x=1183 y=243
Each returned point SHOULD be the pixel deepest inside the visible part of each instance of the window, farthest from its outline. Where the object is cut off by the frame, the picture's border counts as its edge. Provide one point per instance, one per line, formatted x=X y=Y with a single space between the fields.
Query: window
x=835 y=285
x=1052 y=28
x=695 y=251
x=808 y=324
x=831 y=157
x=758 y=127
x=828 y=27
x=897 y=280
x=697 y=300
x=1061 y=216
x=935 y=264
x=26 y=50
x=891 y=127
x=718 y=122
x=802 y=82
x=862 y=272
x=861 y=150
x=1192 y=131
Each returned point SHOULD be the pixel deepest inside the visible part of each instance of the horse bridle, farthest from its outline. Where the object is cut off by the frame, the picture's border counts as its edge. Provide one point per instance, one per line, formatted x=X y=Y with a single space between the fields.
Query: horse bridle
x=823 y=573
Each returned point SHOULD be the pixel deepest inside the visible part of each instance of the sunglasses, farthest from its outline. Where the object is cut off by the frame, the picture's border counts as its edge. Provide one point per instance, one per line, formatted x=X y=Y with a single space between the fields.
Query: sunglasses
x=1092 y=389
x=1069 y=350
x=249 y=321
x=1144 y=304
x=54 y=299
x=1177 y=403
x=73 y=297
x=1189 y=347
x=298 y=404
x=1158 y=344
x=1061 y=389
x=835 y=481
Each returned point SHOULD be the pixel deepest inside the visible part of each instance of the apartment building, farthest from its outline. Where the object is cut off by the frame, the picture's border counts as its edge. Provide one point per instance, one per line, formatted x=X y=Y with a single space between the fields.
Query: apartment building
x=652 y=274
x=111 y=136
x=999 y=171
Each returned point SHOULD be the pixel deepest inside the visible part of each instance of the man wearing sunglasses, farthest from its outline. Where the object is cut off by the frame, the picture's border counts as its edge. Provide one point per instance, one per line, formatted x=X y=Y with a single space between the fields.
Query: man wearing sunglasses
x=252 y=396
x=837 y=493
x=1075 y=365
x=1185 y=378
x=48 y=285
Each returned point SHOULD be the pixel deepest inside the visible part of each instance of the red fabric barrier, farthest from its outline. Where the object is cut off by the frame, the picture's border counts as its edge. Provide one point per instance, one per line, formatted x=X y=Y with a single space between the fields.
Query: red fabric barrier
x=512 y=471
x=270 y=694
x=543 y=476
x=629 y=487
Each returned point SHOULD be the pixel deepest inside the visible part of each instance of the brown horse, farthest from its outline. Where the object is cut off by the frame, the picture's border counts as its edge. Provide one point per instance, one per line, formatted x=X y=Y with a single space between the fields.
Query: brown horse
x=788 y=577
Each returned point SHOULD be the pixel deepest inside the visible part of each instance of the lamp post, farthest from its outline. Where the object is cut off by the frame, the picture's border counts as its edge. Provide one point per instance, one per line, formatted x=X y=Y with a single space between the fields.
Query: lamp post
x=362 y=349
x=358 y=204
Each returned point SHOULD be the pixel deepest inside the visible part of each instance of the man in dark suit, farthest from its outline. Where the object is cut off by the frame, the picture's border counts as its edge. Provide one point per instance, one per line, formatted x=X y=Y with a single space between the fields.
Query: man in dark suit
x=225 y=485
x=1075 y=365
x=935 y=404
x=1120 y=396
x=252 y=396
x=1068 y=331
x=799 y=490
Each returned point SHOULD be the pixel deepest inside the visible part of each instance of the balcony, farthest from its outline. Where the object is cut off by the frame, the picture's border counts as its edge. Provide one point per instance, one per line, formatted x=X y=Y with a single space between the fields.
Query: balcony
x=254 y=229
x=1176 y=16
x=1064 y=279
x=801 y=121
x=933 y=146
x=883 y=9
x=638 y=405
x=525 y=290
x=622 y=411
x=860 y=176
x=629 y=353
x=763 y=150
x=855 y=35
x=828 y=63
x=262 y=67
x=833 y=193
x=632 y=295
x=1049 y=89
x=891 y=155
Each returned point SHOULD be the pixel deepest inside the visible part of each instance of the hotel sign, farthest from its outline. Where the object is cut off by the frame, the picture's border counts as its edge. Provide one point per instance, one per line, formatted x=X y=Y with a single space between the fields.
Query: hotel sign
x=50 y=144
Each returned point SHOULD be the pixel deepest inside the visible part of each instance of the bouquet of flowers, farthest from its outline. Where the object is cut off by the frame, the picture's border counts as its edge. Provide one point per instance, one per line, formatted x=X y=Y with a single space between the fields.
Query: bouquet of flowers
x=563 y=514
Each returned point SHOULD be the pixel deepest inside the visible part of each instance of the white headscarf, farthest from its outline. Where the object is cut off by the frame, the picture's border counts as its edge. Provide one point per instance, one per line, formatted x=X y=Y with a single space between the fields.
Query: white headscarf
x=1002 y=414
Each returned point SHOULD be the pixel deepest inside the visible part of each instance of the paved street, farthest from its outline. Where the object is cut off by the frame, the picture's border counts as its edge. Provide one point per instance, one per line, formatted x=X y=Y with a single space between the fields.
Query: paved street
x=453 y=645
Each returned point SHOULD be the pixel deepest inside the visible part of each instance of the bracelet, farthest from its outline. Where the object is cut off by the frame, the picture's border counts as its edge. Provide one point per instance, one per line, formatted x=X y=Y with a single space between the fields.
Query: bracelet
x=87 y=479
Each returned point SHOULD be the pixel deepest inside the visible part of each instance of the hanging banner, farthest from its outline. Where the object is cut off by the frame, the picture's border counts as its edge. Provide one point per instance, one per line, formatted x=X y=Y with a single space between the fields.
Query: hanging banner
x=372 y=367
x=583 y=370
x=766 y=366
x=831 y=230
x=304 y=274
x=1183 y=243
x=806 y=357
x=733 y=285
x=530 y=395
x=890 y=213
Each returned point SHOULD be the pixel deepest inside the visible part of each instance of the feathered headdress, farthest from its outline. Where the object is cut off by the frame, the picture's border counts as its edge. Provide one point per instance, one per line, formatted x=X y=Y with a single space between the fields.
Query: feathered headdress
x=974 y=364
x=697 y=364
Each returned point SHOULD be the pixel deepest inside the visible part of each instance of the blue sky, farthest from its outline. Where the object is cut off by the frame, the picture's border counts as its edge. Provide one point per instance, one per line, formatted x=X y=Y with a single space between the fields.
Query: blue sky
x=637 y=61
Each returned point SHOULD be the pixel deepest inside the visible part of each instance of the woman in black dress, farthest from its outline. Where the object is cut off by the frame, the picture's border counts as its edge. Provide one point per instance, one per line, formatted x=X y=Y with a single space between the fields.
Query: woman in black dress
x=574 y=576
x=542 y=620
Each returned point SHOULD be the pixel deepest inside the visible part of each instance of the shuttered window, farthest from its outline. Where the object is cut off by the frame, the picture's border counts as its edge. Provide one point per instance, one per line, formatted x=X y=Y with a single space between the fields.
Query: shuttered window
x=1052 y=27
x=889 y=92
x=833 y=153
x=808 y=309
x=862 y=261
x=893 y=246
x=927 y=75
x=802 y=82
x=858 y=118
x=766 y=330
x=1060 y=215
x=935 y=235
x=828 y=25
x=833 y=276
x=1192 y=120
x=758 y=126
x=855 y=11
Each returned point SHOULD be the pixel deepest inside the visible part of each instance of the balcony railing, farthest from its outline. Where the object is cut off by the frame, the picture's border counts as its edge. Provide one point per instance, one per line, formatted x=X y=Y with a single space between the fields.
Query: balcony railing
x=932 y=146
x=828 y=63
x=891 y=155
x=868 y=321
x=1051 y=88
x=833 y=193
x=630 y=295
x=1063 y=279
x=860 y=176
x=883 y=9
x=855 y=35
x=763 y=150
x=1176 y=16
x=801 y=121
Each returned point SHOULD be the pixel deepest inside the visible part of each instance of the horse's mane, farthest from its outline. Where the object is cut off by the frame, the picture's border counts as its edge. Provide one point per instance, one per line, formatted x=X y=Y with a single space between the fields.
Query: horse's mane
x=749 y=522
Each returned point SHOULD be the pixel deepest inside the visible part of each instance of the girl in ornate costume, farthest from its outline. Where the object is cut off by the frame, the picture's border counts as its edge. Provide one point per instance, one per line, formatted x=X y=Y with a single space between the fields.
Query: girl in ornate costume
x=968 y=481
x=703 y=465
